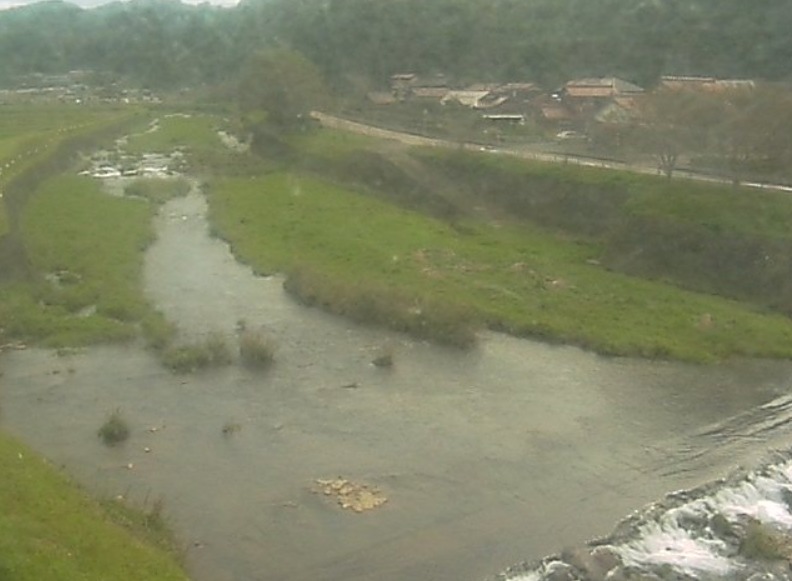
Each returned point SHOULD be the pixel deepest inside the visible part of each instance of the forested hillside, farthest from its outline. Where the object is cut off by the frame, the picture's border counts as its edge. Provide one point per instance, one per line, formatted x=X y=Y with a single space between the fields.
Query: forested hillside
x=162 y=43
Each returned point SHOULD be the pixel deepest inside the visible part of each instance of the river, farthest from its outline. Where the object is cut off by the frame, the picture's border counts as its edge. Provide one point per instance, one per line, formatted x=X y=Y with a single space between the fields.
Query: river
x=505 y=453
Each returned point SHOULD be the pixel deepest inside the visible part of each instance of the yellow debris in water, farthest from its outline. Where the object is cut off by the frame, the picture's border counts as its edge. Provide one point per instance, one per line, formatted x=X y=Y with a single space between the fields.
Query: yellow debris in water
x=351 y=495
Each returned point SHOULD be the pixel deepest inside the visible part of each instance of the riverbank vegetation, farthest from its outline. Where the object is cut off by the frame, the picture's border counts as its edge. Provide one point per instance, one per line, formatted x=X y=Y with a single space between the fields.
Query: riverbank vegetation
x=84 y=251
x=30 y=136
x=708 y=237
x=212 y=351
x=435 y=242
x=392 y=266
x=69 y=263
x=186 y=132
x=50 y=530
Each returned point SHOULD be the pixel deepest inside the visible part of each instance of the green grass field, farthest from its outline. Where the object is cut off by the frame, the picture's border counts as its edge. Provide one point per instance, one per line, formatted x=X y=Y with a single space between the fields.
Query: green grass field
x=38 y=118
x=51 y=531
x=88 y=249
x=28 y=134
x=195 y=132
x=516 y=278
x=333 y=144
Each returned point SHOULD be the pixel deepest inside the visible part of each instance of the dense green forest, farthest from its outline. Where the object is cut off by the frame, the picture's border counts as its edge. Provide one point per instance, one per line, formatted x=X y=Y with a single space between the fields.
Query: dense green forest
x=162 y=43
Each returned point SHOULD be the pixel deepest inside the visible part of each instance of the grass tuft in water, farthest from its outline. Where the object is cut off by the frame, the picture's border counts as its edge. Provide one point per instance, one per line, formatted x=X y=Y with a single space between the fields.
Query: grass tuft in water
x=230 y=428
x=256 y=349
x=115 y=429
x=211 y=352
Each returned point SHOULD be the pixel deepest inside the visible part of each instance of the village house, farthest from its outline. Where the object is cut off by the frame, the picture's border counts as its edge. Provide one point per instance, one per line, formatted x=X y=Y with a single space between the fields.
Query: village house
x=551 y=110
x=574 y=106
x=511 y=102
x=705 y=84
x=466 y=97
x=604 y=99
x=401 y=84
x=620 y=111
x=430 y=93
x=600 y=88
x=405 y=86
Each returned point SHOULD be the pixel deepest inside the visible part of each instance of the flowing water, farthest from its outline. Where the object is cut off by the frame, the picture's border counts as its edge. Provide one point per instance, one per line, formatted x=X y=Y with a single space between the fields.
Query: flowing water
x=506 y=453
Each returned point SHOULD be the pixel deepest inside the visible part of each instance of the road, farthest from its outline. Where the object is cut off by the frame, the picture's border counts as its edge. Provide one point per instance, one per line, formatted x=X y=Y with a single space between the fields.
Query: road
x=340 y=123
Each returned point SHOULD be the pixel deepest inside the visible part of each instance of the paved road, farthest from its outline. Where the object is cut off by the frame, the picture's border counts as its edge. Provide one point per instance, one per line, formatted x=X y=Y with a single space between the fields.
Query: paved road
x=412 y=139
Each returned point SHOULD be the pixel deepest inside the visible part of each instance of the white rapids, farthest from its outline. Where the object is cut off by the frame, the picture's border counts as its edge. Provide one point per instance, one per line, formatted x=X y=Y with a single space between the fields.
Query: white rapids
x=737 y=528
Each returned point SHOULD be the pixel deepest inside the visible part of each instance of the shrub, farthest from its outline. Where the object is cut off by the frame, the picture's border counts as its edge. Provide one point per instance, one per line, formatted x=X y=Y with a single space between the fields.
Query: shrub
x=115 y=429
x=256 y=349
x=212 y=352
x=215 y=344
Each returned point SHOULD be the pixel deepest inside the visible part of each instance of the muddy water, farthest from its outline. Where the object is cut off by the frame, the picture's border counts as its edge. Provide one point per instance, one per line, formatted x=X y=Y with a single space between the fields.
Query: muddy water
x=505 y=453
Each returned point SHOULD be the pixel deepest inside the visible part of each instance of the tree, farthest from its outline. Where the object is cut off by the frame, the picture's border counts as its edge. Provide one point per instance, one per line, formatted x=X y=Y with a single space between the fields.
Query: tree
x=282 y=84
x=752 y=132
x=668 y=124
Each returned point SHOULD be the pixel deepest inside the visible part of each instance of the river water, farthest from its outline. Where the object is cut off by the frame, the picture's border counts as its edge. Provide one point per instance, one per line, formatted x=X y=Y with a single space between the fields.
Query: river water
x=502 y=454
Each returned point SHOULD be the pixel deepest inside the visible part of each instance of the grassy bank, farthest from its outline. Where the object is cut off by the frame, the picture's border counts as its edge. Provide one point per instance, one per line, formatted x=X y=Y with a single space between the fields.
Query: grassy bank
x=38 y=142
x=177 y=131
x=86 y=249
x=75 y=254
x=522 y=186
x=363 y=257
x=707 y=237
x=23 y=129
x=51 y=531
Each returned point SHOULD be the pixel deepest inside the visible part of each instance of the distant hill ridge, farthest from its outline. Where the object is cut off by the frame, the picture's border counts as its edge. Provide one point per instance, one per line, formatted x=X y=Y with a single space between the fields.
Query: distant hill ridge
x=161 y=43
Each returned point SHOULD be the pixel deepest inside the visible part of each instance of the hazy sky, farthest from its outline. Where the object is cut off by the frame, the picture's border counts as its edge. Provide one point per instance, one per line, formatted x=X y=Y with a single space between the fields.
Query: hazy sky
x=91 y=3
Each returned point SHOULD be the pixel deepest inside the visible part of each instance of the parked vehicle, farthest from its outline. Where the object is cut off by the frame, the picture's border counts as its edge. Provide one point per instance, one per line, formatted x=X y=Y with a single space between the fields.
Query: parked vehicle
x=570 y=135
